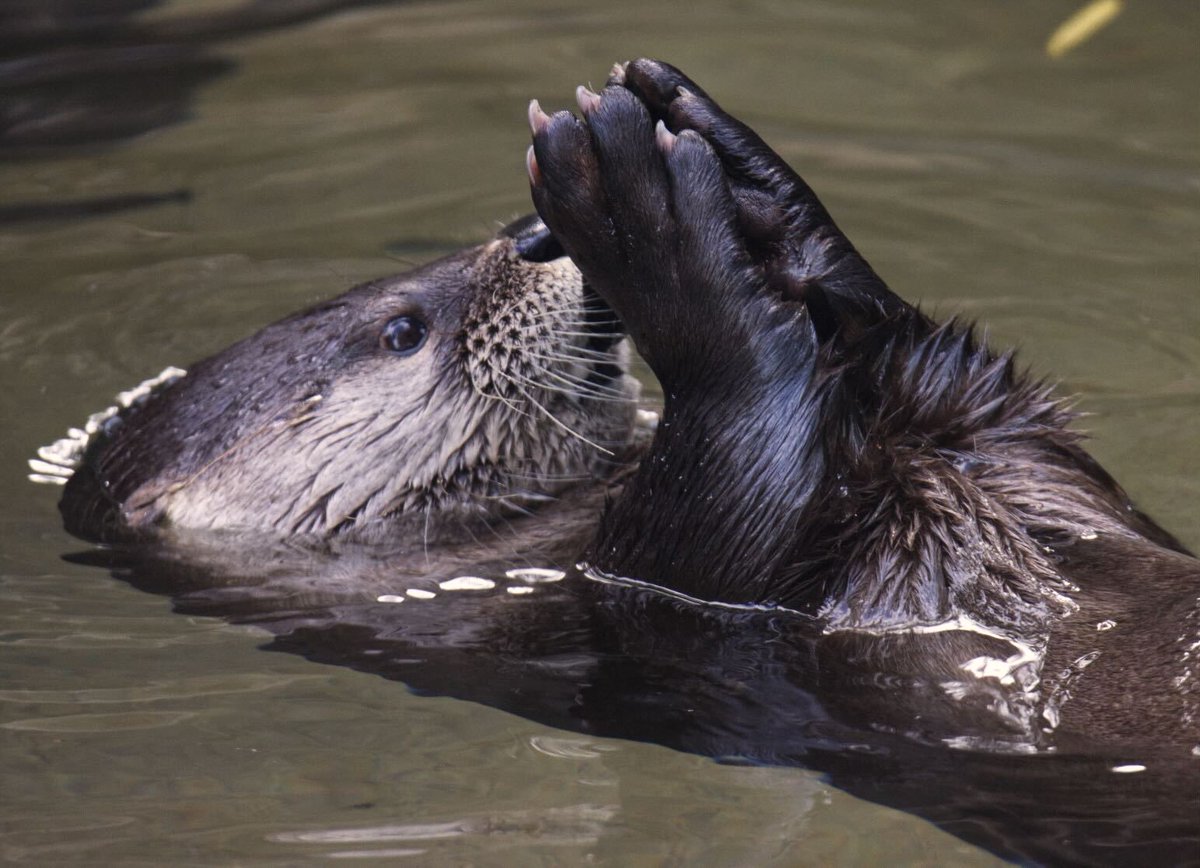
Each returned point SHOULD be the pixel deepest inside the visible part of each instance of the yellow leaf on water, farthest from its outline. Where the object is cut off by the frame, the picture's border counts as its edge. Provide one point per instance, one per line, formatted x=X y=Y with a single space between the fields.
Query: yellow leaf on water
x=1082 y=26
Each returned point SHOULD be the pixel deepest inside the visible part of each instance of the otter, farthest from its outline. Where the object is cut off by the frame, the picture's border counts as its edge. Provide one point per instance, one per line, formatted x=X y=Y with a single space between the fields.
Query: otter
x=907 y=501
x=827 y=449
x=424 y=408
x=859 y=541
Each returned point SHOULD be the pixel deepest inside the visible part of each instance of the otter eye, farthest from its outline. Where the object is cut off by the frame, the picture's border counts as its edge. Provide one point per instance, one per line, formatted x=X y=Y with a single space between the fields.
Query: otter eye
x=403 y=335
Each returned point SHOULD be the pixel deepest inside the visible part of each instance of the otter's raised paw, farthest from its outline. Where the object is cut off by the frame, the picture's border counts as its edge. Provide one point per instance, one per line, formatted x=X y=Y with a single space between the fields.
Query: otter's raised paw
x=803 y=254
x=649 y=219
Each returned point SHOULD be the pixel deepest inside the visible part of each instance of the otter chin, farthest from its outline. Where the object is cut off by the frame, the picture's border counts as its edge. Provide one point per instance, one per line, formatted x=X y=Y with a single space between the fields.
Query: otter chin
x=419 y=407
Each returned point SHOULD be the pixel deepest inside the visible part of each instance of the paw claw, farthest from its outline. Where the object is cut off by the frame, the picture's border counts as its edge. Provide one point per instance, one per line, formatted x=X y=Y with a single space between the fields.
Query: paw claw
x=587 y=99
x=538 y=119
x=664 y=137
x=531 y=166
x=616 y=75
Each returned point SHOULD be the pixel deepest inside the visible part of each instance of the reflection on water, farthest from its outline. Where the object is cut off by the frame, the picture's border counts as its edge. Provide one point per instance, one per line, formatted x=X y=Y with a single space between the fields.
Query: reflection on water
x=76 y=74
x=1052 y=199
x=81 y=73
x=744 y=686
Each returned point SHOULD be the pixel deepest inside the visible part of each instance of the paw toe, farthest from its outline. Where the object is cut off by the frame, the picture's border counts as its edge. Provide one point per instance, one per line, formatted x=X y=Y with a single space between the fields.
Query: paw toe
x=657 y=83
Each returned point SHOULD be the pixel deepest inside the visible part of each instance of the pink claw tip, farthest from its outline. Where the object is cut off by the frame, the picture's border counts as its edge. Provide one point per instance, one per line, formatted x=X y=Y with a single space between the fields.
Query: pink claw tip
x=664 y=137
x=531 y=166
x=538 y=119
x=587 y=99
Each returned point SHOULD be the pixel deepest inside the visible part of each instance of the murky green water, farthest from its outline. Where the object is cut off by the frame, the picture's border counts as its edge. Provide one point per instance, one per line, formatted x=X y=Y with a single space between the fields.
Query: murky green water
x=1057 y=201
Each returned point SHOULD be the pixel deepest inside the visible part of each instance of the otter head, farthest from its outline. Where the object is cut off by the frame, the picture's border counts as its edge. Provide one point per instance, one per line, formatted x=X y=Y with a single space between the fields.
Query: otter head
x=465 y=391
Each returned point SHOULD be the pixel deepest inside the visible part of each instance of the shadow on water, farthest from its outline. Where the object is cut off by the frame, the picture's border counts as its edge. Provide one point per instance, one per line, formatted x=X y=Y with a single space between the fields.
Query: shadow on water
x=76 y=75
x=742 y=687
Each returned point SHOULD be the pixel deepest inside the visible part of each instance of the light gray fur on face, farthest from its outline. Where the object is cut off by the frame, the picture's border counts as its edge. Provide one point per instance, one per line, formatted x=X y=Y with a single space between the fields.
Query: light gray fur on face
x=501 y=409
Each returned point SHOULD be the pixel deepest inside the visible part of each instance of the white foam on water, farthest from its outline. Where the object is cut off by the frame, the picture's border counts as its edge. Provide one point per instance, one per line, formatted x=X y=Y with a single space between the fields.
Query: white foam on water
x=57 y=462
x=467 y=583
x=535 y=575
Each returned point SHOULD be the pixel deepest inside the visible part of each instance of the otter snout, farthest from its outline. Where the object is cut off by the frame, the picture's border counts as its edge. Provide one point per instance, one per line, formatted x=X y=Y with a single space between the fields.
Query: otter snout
x=532 y=241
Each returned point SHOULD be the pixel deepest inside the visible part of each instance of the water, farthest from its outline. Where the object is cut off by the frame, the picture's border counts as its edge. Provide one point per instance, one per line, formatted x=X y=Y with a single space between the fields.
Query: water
x=1053 y=200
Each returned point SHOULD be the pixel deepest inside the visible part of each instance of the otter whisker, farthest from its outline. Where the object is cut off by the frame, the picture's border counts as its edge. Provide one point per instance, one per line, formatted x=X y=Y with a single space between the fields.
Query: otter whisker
x=498 y=397
x=551 y=477
x=535 y=496
x=567 y=428
x=576 y=306
x=587 y=328
x=579 y=315
x=609 y=457
x=567 y=365
x=581 y=388
x=562 y=325
x=514 y=507
x=569 y=318
x=579 y=383
x=558 y=322
x=587 y=334
x=574 y=354
x=574 y=388
x=544 y=387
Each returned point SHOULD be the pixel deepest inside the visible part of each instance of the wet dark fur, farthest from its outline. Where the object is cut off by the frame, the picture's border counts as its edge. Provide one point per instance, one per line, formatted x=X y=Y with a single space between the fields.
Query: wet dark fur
x=828 y=448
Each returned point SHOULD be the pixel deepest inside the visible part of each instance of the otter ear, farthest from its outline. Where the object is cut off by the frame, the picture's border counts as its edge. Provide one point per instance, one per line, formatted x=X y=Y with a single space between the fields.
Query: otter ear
x=790 y=233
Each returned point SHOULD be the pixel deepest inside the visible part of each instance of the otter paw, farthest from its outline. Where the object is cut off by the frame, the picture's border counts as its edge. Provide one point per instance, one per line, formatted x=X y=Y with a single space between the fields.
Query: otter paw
x=649 y=218
x=804 y=256
x=681 y=104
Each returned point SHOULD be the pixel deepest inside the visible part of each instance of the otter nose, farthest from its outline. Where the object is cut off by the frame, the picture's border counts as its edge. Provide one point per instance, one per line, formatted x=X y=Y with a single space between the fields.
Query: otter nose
x=533 y=241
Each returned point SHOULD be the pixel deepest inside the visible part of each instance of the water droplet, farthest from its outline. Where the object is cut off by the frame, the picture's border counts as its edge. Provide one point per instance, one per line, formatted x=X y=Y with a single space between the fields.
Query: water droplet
x=535 y=575
x=1107 y=624
x=518 y=590
x=390 y=598
x=467 y=583
x=1129 y=768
